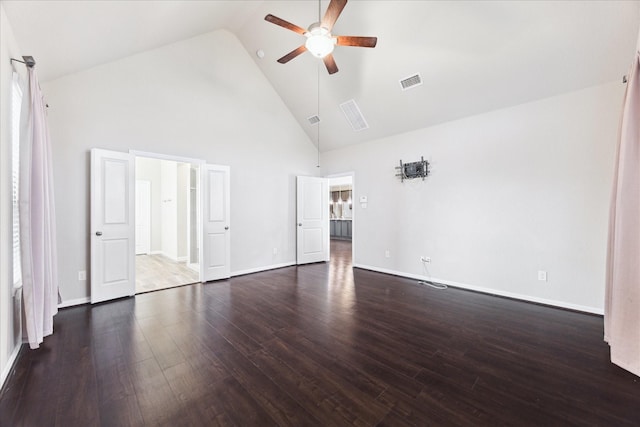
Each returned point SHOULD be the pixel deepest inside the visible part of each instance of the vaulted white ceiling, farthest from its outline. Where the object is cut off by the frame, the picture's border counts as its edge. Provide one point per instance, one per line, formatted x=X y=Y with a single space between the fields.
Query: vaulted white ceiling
x=473 y=56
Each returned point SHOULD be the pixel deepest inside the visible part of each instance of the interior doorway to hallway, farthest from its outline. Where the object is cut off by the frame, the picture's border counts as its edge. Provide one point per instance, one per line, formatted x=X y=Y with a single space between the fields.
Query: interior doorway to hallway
x=341 y=218
x=167 y=206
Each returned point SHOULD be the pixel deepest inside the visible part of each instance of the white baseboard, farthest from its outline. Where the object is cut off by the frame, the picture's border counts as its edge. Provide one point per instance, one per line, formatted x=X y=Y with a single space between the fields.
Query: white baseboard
x=7 y=369
x=259 y=269
x=80 y=301
x=74 y=302
x=178 y=259
x=174 y=259
x=526 y=298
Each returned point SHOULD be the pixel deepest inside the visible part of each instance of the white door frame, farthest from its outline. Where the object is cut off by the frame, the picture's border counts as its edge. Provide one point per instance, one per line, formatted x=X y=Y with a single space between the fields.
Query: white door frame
x=159 y=156
x=353 y=211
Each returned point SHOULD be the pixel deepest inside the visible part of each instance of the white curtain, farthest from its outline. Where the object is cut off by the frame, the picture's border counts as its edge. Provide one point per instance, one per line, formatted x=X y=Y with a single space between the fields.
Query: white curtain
x=622 y=304
x=37 y=217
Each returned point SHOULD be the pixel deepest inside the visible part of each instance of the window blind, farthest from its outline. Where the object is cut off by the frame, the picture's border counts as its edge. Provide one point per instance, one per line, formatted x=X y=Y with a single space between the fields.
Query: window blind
x=16 y=106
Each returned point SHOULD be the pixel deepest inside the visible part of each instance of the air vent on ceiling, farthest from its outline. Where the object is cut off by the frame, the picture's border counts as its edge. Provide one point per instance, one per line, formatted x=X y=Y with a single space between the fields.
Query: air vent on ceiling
x=353 y=115
x=313 y=119
x=411 y=81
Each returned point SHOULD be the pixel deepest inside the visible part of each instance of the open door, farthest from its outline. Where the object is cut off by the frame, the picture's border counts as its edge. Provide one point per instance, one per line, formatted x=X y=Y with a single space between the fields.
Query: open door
x=313 y=220
x=215 y=247
x=112 y=225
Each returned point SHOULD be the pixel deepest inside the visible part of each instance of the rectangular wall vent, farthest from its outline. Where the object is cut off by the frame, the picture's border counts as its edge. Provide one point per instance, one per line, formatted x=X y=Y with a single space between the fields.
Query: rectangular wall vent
x=353 y=115
x=411 y=81
x=313 y=120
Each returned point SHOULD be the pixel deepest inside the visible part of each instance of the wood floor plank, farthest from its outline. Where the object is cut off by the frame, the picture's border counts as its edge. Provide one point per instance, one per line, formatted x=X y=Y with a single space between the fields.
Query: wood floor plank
x=241 y=341
x=343 y=369
x=122 y=412
x=78 y=399
x=11 y=393
x=275 y=399
x=252 y=323
x=156 y=400
x=368 y=363
x=311 y=396
x=353 y=392
x=239 y=406
x=319 y=345
x=192 y=378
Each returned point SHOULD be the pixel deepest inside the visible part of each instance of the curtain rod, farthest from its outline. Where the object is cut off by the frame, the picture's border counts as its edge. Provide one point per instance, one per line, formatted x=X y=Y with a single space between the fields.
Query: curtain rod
x=28 y=60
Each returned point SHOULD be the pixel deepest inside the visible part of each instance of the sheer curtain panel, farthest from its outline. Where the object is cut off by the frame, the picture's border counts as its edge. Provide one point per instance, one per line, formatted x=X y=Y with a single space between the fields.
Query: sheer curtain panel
x=622 y=298
x=37 y=217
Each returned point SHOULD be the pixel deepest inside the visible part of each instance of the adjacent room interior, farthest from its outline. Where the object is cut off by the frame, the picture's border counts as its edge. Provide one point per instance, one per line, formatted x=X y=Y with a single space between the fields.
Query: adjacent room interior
x=342 y=222
x=166 y=236
x=468 y=144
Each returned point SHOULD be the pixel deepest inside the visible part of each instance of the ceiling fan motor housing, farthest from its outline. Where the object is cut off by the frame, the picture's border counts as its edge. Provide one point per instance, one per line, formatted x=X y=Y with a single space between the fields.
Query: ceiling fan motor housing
x=319 y=40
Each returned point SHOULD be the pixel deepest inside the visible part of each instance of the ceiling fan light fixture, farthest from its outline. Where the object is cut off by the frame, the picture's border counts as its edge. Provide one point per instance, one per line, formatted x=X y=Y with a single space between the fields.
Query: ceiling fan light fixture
x=319 y=41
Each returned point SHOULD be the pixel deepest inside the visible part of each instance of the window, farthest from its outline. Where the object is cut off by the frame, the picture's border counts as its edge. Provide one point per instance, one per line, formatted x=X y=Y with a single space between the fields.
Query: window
x=16 y=106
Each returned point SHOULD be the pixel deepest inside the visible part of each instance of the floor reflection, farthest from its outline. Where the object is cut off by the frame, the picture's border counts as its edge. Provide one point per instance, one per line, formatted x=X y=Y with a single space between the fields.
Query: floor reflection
x=340 y=285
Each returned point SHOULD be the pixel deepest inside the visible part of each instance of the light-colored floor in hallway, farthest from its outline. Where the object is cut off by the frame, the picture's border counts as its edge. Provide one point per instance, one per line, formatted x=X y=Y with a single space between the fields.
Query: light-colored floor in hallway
x=155 y=272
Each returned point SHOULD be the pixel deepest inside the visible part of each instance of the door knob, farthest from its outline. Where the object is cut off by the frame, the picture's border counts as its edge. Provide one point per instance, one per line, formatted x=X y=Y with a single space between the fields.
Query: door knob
x=299 y=224
x=227 y=227
x=98 y=233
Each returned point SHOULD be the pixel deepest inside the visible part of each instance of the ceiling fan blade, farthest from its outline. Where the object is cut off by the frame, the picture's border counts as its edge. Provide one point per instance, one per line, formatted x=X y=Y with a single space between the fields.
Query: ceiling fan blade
x=357 y=41
x=330 y=63
x=333 y=11
x=289 y=56
x=285 y=24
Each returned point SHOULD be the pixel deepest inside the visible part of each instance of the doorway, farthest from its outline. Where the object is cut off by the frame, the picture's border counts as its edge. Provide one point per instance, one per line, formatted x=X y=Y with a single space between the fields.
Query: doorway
x=113 y=221
x=341 y=218
x=167 y=247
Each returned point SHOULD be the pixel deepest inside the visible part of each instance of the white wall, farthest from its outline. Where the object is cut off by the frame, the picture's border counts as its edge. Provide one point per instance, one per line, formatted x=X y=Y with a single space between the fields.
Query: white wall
x=10 y=331
x=169 y=181
x=169 y=202
x=511 y=192
x=149 y=170
x=182 y=210
x=200 y=98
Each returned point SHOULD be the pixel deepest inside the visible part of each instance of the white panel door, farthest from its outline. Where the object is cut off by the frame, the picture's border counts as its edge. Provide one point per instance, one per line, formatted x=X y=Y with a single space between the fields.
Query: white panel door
x=112 y=225
x=143 y=217
x=215 y=250
x=313 y=220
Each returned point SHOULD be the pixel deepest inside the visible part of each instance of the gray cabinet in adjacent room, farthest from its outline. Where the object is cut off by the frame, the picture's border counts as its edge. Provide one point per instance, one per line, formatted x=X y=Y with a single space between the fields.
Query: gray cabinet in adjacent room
x=340 y=229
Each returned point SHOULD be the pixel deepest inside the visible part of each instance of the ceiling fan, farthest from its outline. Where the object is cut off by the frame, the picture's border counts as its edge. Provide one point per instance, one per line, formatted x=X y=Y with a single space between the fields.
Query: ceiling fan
x=320 y=42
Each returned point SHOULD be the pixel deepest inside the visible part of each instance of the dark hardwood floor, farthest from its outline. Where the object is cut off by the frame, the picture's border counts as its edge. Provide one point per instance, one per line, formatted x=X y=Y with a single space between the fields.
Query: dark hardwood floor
x=320 y=345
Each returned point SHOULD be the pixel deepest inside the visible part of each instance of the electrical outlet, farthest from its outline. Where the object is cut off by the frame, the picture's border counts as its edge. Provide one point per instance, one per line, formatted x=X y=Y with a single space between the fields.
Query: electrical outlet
x=387 y=254
x=275 y=251
x=425 y=259
x=82 y=275
x=542 y=275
